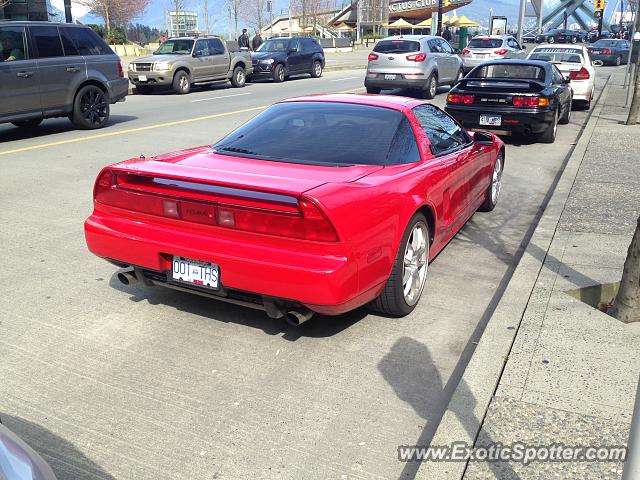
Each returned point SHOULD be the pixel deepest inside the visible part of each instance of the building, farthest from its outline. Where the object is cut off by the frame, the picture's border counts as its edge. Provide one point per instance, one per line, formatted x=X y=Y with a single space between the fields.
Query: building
x=25 y=10
x=181 y=23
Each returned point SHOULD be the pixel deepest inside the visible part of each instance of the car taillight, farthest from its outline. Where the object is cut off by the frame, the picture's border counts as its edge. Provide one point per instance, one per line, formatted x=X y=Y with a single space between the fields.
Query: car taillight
x=373 y=56
x=582 y=74
x=502 y=51
x=606 y=51
x=304 y=221
x=120 y=71
x=530 y=102
x=466 y=51
x=464 y=99
x=417 y=57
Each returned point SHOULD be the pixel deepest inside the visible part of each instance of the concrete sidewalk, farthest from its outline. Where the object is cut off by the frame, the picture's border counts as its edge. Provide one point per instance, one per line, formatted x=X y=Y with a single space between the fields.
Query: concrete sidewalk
x=571 y=373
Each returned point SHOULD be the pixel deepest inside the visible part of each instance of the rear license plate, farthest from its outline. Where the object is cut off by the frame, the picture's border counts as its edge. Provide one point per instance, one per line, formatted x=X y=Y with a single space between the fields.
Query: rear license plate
x=491 y=120
x=596 y=52
x=202 y=274
x=389 y=77
x=142 y=78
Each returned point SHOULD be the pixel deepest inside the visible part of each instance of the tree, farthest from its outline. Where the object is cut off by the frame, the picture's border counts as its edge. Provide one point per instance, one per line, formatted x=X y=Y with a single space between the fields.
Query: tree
x=255 y=13
x=632 y=119
x=626 y=306
x=235 y=7
x=115 y=12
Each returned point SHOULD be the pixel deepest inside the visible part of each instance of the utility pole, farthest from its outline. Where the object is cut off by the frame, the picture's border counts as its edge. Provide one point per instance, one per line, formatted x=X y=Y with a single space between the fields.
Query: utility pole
x=206 y=17
x=440 y=10
x=523 y=6
x=359 y=21
x=68 y=17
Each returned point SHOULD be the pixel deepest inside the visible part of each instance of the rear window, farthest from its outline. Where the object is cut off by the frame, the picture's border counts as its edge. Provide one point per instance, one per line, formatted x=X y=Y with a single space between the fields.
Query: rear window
x=85 y=41
x=485 y=43
x=519 y=71
x=397 y=46
x=562 y=55
x=325 y=133
x=606 y=43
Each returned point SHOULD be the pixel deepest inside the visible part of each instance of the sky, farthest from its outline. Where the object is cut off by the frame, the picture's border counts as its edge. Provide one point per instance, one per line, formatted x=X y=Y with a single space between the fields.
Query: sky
x=478 y=10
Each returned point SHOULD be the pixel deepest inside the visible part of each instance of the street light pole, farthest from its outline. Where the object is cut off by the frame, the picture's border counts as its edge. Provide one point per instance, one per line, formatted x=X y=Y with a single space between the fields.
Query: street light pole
x=68 y=17
x=440 y=10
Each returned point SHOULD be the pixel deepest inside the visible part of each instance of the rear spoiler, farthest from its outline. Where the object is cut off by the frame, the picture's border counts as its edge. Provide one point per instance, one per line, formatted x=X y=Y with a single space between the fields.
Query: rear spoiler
x=505 y=83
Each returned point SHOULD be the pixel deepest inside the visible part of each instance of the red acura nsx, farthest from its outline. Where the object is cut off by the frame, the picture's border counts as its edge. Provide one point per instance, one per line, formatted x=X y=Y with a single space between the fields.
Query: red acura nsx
x=319 y=204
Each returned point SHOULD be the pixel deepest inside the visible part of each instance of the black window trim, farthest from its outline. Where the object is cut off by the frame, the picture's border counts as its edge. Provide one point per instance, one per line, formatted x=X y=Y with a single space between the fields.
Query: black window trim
x=35 y=45
x=26 y=39
x=451 y=150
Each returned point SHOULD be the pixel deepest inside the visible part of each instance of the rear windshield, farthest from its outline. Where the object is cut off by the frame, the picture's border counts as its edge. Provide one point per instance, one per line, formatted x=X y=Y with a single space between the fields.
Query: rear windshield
x=562 y=55
x=179 y=47
x=324 y=133
x=607 y=43
x=485 y=43
x=527 y=72
x=397 y=46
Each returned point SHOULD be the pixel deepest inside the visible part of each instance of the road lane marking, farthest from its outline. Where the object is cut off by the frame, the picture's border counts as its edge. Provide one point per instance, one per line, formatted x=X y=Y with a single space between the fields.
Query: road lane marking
x=343 y=79
x=148 y=127
x=132 y=130
x=208 y=99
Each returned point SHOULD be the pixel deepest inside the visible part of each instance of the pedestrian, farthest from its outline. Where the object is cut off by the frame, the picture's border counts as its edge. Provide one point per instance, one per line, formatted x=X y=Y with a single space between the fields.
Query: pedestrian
x=447 y=34
x=257 y=41
x=243 y=40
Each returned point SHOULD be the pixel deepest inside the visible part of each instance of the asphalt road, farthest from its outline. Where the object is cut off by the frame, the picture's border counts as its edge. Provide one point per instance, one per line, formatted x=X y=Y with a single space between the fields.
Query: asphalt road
x=114 y=382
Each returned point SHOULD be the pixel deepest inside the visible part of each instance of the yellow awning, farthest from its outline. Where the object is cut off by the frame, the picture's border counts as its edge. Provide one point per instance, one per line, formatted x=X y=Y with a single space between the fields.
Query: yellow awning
x=343 y=27
x=465 y=22
x=401 y=23
x=424 y=23
x=449 y=21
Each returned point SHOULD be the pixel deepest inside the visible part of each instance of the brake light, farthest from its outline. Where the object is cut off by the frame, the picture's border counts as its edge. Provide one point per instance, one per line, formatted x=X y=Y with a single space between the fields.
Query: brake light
x=417 y=57
x=502 y=51
x=582 y=74
x=373 y=56
x=466 y=51
x=303 y=220
x=606 y=51
x=530 y=102
x=120 y=71
x=464 y=99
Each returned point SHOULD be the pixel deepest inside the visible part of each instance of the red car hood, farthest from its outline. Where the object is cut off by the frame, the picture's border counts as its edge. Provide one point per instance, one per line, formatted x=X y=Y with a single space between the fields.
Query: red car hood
x=203 y=165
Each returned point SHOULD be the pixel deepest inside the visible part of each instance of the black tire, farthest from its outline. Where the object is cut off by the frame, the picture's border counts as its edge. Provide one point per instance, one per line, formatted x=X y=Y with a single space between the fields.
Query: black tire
x=431 y=87
x=490 y=201
x=374 y=90
x=144 y=89
x=574 y=39
x=181 y=83
x=278 y=73
x=551 y=40
x=316 y=69
x=391 y=300
x=549 y=135
x=249 y=78
x=239 y=78
x=28 y=123
x=566 y=116
x=618 y=61
x=90 y=108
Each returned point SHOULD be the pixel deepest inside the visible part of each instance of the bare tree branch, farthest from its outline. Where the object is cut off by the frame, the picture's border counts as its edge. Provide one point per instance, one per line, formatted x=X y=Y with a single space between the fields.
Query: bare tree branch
x=115 y=12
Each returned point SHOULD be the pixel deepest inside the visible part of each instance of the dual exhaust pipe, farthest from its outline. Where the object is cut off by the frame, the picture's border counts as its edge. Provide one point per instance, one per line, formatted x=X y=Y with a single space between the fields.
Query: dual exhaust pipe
x=293 y=316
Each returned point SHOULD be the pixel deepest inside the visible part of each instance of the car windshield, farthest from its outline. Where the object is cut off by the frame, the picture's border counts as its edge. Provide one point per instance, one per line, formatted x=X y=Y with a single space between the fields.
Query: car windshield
x=177 y=47
x=513 y=70
x=299 y=132
x=397 y=46
x=485 y=43
x=606 y=43
x=559 y=55
x=274 y=45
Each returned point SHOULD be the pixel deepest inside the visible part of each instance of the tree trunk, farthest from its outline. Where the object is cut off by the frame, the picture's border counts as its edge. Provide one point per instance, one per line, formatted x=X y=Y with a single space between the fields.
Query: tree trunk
x=626 y=307
x=632 y=119
x=107 y=21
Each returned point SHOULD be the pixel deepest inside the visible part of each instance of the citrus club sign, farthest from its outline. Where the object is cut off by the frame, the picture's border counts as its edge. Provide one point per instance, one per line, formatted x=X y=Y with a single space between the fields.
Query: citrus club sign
x=412 y=5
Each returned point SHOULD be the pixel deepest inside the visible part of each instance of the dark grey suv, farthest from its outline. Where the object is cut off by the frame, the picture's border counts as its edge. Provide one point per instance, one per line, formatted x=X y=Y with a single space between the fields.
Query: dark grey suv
x=55 y=70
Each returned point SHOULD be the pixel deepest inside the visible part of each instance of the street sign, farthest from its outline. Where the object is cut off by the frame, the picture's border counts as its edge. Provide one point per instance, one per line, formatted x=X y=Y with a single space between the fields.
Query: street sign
x=598 y=5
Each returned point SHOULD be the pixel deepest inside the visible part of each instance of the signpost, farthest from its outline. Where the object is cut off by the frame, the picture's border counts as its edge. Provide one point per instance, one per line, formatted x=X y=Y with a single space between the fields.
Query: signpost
x=598 y=12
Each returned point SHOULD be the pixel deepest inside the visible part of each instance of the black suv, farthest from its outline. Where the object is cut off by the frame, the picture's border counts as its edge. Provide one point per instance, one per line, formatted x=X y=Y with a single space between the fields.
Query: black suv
x=280 y=58
x=57 y=70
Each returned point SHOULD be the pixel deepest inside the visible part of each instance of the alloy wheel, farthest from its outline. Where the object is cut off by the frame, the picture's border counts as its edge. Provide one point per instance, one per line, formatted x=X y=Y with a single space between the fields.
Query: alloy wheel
x=317 y=68
x=433 y=87
x=240 y=78
x=184 y=83
x=416 y=256
x=94 y=106
x=496 y=180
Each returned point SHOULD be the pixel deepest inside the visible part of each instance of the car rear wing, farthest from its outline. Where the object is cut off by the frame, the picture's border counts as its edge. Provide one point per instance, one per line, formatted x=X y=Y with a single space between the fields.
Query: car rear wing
x=508 y=84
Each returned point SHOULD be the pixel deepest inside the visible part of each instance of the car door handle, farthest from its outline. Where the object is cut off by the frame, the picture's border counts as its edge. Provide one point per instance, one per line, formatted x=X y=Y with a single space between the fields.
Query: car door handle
x=73 y=69
x=25 y=74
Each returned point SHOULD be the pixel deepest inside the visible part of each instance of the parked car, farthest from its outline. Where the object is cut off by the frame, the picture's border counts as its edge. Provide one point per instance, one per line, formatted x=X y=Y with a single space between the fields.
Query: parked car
x=610 y=51
x=559 y=35
x=574 y=62
x=268 y=216
x=49 y=70
x=594 y=35
x=280 y=58
x=483 y=48
x=180 y=63
x=417 y=62
x=18 y=461
x=513 y=96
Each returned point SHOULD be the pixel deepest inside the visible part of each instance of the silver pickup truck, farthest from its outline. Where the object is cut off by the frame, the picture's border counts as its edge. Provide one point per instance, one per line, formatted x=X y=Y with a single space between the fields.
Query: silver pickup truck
x=182 y=62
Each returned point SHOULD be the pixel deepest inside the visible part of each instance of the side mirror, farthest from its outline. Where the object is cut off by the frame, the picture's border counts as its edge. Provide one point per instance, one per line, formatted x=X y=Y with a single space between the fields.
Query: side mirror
x=482 y=138
x=198 y=53
x=293 y=50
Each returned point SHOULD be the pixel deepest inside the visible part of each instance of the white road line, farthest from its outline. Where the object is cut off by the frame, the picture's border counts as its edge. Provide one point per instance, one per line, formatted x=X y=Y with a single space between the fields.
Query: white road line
x=342 y=79
x=223 y=96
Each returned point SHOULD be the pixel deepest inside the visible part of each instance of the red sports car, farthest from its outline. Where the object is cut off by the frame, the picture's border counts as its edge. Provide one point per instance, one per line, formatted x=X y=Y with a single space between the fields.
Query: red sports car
x=319 y=204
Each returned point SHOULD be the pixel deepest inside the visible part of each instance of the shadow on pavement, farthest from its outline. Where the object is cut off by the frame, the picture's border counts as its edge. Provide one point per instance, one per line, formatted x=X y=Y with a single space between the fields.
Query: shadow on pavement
x=67 y=462
x=10 y=133
x=410 y=370
x=318 y=326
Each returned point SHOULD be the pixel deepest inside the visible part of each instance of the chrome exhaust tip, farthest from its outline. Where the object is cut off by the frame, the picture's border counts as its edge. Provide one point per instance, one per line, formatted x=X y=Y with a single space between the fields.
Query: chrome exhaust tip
x=298 y=317
x=127 y=277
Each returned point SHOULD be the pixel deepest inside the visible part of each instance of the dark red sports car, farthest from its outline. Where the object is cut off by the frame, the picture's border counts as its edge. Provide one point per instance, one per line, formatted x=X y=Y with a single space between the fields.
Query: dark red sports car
x=319 y=204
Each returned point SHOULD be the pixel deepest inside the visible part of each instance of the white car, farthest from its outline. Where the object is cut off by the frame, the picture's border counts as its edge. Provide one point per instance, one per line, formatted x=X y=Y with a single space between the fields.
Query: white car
x=574 y=62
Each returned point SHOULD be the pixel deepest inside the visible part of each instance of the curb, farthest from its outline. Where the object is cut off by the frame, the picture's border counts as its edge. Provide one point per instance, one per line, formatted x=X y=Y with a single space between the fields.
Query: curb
x=470 y=400
x=337 y=68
